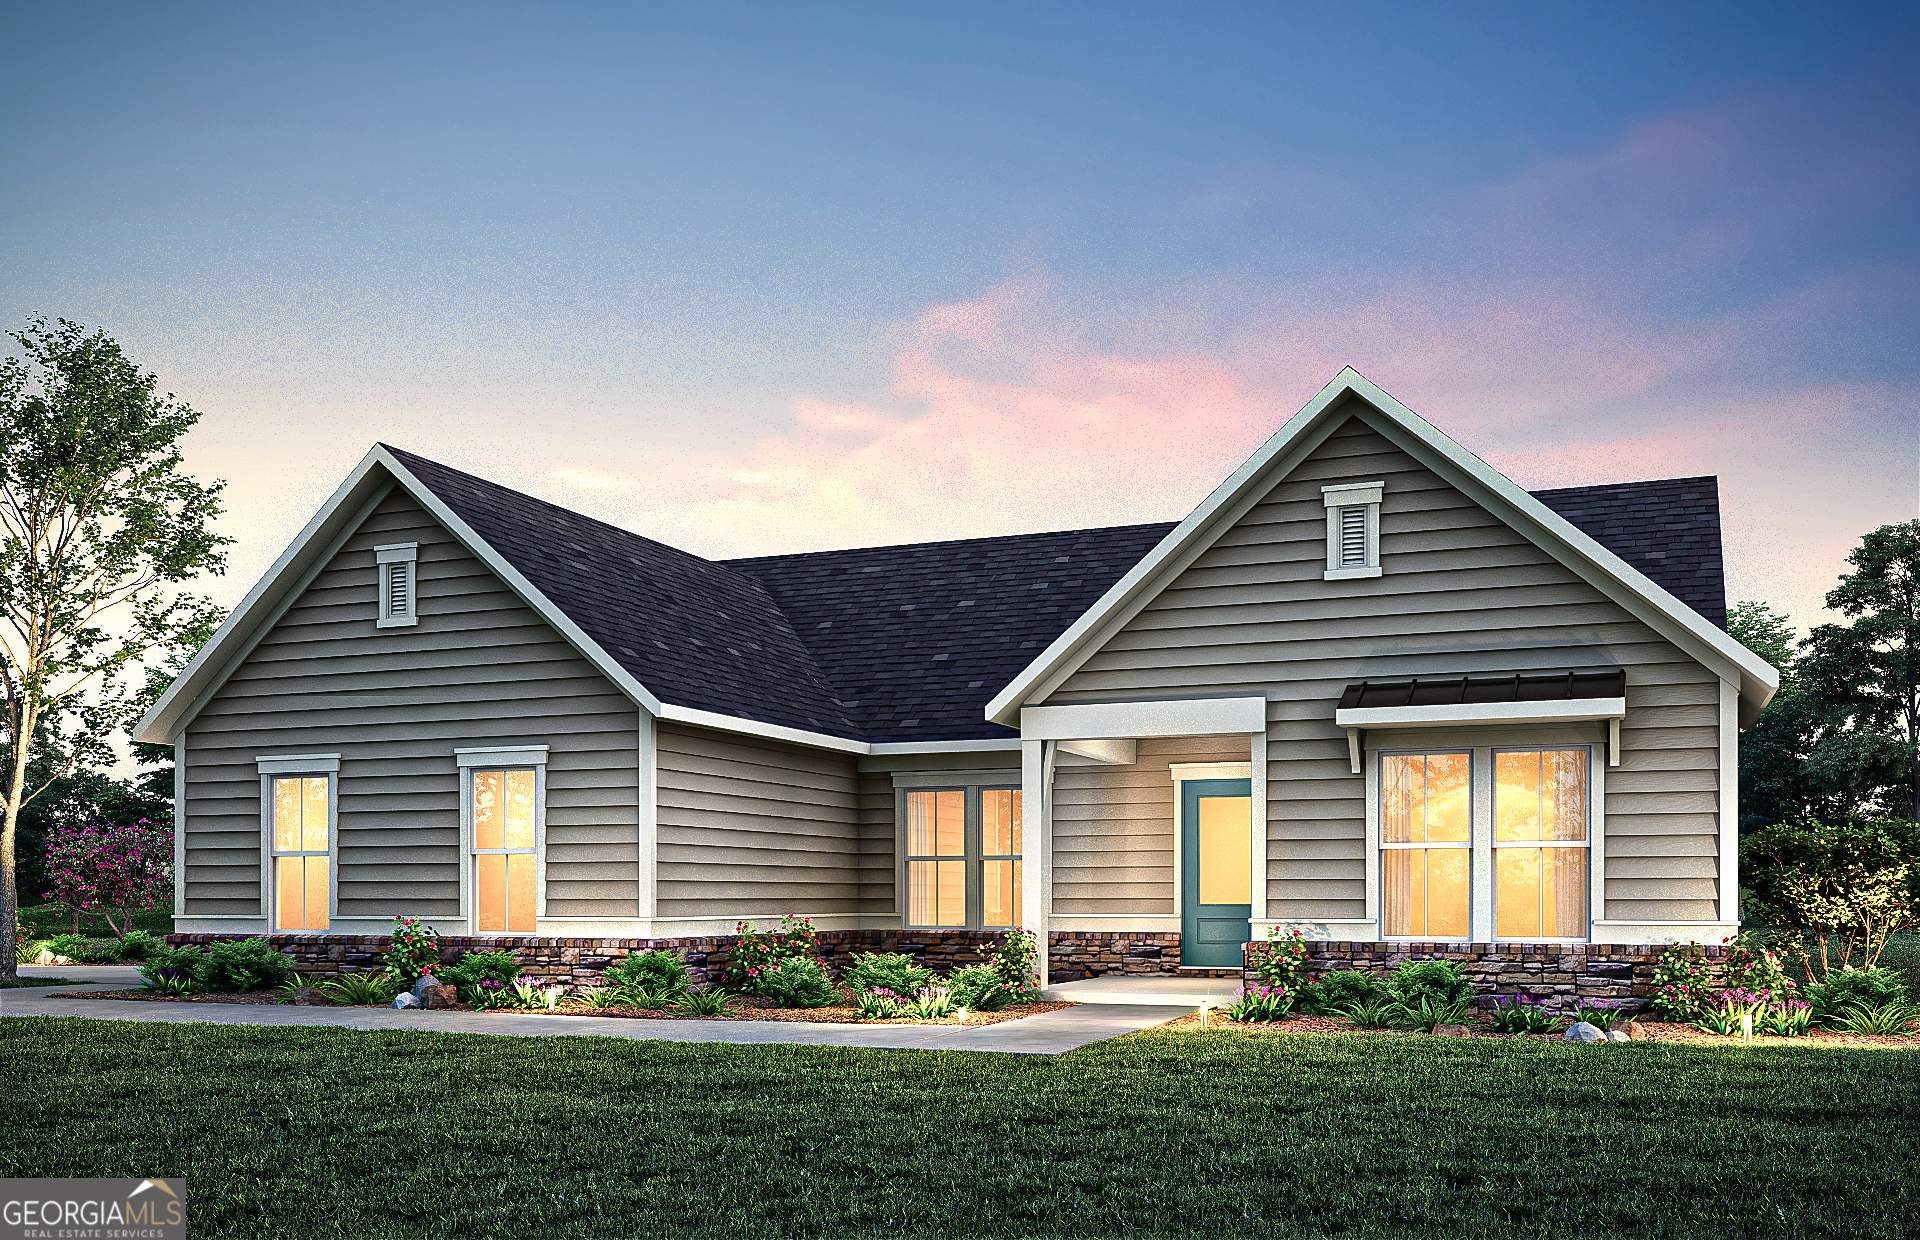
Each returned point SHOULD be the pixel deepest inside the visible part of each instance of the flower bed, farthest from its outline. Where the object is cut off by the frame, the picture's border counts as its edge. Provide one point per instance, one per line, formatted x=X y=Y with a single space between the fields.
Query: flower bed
x=1640 y=1031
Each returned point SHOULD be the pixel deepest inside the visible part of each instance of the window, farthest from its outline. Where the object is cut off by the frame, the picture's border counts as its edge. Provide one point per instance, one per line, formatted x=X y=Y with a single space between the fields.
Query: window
x=1540 y=843
x=302 y=828
x=397 y=563
x=504 y=882
x=504 y=820
x=962 y=853
x=1456 y=864
x=1353 y=529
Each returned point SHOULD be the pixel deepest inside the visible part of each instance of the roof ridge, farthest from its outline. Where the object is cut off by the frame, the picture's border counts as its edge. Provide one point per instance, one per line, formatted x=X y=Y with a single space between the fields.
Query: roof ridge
x=949 y=542
x=1638 y=482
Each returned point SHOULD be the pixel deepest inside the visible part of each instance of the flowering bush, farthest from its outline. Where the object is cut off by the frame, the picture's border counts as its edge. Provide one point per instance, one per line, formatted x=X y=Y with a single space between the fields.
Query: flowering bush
x=931 y=1003
x=1788 y=1019
x=501 y=967
x=1687 y=986
x=792 y=982
x=1725 y=1015
x=1281 y=960
x=111 y=869
x=879 y=1004
x=413 y=952
x=1601 y=1013
x=1018 y=961
x=1261 y=1004
x=755 y=950
x=979 y=988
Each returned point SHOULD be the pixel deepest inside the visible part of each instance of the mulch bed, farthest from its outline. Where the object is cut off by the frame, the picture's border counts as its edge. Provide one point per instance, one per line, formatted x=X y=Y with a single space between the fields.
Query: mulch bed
x=1649 y=1031
x=746 y=1007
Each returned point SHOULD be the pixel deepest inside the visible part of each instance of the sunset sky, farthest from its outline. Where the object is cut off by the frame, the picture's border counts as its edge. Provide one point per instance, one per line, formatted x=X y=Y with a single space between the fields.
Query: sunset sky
x=764 y=278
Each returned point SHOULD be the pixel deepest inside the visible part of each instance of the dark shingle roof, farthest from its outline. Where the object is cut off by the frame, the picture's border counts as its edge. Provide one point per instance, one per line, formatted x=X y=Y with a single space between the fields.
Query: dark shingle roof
x=1669 y=529
x=910 y=642
x=695 y=633
x=918 y=638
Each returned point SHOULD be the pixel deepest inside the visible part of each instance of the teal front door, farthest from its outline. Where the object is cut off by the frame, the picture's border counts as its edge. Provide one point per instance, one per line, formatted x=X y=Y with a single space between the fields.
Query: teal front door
x=1216 y=871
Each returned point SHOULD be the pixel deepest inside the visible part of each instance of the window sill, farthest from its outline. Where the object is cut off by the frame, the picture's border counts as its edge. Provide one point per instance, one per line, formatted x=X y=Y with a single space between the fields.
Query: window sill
x=396 y=622
x=1349 y=574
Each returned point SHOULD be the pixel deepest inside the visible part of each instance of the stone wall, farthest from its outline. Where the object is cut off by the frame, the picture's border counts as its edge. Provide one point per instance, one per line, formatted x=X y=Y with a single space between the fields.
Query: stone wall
x=1076 y=954
x=577 y=963
x=1560 y=976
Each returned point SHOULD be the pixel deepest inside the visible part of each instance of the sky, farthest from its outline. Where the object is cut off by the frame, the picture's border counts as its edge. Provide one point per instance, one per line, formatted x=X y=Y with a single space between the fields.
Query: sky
x=759 y=278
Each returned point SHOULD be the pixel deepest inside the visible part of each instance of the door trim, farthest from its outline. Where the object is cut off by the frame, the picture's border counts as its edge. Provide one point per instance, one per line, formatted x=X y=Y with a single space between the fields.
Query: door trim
x=1186 y=838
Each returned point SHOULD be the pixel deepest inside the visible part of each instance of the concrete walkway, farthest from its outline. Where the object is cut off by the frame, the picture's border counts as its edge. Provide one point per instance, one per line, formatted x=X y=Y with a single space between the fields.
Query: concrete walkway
x=1049 y=1033
x=1151 y=990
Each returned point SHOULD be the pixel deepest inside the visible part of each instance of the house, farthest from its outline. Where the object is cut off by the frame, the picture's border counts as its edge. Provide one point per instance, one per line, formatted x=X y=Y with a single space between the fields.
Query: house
x=1369 y=688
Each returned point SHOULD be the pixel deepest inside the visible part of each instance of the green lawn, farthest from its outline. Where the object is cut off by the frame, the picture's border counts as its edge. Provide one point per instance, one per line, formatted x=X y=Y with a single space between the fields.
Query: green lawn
x=8 y=982
x=324 y=1132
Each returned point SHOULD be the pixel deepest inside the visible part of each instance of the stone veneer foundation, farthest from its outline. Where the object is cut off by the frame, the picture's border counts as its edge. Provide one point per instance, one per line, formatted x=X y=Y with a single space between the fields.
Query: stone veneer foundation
x=1560 y=976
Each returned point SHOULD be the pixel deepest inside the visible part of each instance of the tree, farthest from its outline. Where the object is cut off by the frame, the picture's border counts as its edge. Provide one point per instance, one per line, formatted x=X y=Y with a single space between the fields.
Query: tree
x=1766 y=632
x=1869 y=670
x=98 y=525
x=1854 y=882
x=111 y=869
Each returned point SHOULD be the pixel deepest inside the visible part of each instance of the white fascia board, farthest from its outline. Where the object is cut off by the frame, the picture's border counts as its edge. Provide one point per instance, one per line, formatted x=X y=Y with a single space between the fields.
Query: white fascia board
x=1468 y=714
x=1610 y=574
x=1613 y=576
x=772 y=731
x=1138 y=720
x=1104 y=753
x=1224 y=505
x=1009 y=744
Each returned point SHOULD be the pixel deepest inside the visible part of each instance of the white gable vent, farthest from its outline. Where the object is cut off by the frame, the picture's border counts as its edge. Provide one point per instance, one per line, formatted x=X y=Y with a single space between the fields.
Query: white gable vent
x=1353 y=529
x=396 y=562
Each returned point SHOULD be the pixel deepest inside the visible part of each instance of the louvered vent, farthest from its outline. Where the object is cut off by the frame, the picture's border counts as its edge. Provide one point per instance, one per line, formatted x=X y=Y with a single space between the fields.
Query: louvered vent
x=399 y=589
x=1353 y=537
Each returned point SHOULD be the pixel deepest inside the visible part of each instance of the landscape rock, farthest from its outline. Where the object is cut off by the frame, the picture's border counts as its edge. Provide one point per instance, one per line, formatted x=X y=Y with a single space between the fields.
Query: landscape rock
x=1584 y=1032
x=1617 y=1035
x=1636 y=1031
x=307 y=996
x=1452 y=1031
x=420 y=985
x=440 y=997
x=405 y=1001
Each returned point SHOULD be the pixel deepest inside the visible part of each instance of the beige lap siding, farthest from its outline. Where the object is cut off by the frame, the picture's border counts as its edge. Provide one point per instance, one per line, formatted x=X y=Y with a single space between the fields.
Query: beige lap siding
x=757 y=826
x=1113 y=828
x=1462 y=592
x=876 y=842
x=480 y=668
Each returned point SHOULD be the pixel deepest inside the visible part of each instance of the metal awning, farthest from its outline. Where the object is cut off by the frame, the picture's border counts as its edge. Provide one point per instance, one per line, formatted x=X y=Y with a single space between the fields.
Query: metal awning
x=1481 y=699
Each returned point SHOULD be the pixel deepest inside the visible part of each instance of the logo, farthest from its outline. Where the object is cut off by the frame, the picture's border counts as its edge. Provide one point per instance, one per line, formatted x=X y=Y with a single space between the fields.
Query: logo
x=151 y=1209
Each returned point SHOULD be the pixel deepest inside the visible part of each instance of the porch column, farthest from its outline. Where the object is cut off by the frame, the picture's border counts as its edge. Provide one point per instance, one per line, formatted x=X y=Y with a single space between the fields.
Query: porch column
x=1036 y=886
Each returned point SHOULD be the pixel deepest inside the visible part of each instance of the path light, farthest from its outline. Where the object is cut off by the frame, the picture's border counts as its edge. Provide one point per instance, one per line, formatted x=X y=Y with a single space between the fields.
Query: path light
x=1204 y=1006
x=553 y=997
x=960 y=1017
x=1746 y=1025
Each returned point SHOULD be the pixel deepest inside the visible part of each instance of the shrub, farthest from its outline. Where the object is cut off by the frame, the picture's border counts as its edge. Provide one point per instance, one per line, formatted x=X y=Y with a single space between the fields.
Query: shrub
x=1601 y=1013
x=1847 y=987
x=895 y=971
x=1726 y=1015
x=712 y=1001
x=661 y=972
x=1281 y=960
x=931 y=1003
x=879 y=1004
x=794 y=939
x=1857 y=882
x=137 y=945
x=1877 y=1020
x=500 y=966
x=413 y=951
x=1440 y=980
x=73 y=946
x=979 y=988
x=1374 y=1013
x=237 y=965
x=361 y=989
x=1336 y=991
x=1017 y=960
x=111 y=869
x=794 y=982
x=1431 y=1012
x=1519 y=1014
x=174 y=970
x=1684 y=984
x=26 y=951
x=1261 y=1004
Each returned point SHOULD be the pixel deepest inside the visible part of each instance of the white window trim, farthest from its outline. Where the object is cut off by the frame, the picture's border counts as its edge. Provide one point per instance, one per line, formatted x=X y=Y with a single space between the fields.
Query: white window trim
x=505 y=758
x=971 y=851
x=1480 y=910
x=1352 y=495
x=282 y=765
x=385 y=558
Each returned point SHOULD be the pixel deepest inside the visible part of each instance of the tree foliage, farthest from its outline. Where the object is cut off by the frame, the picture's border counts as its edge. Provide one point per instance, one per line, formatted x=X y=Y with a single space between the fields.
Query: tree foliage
x=109 y=869
x=1855 y=882
x=98 y=528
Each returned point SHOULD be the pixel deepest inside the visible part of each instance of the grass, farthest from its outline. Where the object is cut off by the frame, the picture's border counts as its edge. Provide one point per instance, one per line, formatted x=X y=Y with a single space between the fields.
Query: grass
x=331 y=1132
x=6 y=982
x=46 y=920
